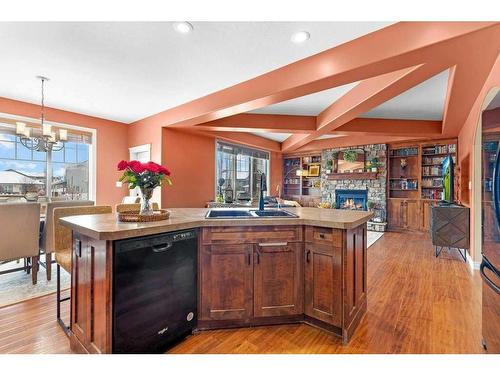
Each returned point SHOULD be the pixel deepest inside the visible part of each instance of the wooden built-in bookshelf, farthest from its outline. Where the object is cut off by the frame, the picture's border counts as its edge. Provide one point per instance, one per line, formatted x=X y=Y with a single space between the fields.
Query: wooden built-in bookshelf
x=301 y=185
x=414 y=182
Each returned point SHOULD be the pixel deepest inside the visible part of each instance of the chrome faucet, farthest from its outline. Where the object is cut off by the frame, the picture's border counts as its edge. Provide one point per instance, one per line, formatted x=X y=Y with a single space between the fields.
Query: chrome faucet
x=263 y=187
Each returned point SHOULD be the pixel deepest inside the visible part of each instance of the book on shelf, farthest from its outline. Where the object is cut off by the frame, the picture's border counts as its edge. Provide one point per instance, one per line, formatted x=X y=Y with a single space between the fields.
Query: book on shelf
x=404 y=184
x=436 y=160
x=432 y=182
x=431 y=194
x=429 y=171
x=439 y=149
x=410 y=151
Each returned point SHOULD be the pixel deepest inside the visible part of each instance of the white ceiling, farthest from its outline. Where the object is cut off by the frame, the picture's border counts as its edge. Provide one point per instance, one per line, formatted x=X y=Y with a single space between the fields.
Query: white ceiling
x=422 y=102
x=280 y=137
x=128 y=71
x=311 y=104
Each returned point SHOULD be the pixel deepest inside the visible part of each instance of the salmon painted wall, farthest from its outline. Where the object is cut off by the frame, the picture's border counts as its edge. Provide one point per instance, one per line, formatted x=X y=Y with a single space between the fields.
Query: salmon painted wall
x=465 y=143
x=191 y=158
x=111 y=143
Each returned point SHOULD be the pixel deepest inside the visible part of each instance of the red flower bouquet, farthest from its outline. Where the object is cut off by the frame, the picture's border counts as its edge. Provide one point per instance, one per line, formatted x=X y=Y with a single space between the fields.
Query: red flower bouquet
x=146 y=176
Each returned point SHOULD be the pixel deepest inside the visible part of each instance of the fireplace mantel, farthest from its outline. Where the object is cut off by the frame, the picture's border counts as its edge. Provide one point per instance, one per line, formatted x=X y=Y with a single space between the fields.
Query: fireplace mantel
x=353 y=176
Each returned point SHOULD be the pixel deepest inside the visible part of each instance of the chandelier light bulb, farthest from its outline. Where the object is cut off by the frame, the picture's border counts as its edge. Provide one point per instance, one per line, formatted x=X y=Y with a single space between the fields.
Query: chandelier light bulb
x=20 y=128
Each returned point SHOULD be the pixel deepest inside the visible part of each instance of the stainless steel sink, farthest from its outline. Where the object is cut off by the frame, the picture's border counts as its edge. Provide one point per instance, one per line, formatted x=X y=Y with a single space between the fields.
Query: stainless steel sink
x=247 y=214
x=228 y=214
x=273 y=213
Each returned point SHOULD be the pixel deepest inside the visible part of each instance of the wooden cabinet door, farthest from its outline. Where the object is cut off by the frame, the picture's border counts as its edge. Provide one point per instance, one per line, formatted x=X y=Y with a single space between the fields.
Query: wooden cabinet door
x=226 y=282
x=278 y=279
x=354 y=274
x=395 y=213
x=323 y=283
x=426 y=215
x=412 y=215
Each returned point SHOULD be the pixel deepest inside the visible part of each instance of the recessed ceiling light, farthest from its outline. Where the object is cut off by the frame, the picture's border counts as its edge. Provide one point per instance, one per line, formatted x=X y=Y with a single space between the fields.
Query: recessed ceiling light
x=300 y=37
x=183 y=27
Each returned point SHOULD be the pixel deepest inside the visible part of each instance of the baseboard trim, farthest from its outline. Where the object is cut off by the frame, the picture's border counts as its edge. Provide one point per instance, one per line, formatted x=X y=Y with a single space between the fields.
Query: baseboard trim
x=472 y=265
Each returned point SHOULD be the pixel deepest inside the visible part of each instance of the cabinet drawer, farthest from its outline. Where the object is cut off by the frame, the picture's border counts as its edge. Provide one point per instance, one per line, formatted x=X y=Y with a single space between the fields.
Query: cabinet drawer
x=254 y=234
x=324 y=236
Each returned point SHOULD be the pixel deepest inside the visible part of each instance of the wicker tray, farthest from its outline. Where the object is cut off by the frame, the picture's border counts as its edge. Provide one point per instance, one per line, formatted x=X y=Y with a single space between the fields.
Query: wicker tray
x=135 y=217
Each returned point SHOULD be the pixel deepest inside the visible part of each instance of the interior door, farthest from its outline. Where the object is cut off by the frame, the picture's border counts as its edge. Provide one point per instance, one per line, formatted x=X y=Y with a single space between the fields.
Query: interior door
x=142 y=154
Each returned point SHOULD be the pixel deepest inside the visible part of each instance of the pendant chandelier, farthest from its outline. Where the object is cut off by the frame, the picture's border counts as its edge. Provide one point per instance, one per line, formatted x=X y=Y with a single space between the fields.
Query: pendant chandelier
x=46 y=140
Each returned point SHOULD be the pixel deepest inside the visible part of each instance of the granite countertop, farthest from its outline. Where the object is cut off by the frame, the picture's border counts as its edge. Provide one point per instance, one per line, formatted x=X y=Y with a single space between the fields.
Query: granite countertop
x=107 y=227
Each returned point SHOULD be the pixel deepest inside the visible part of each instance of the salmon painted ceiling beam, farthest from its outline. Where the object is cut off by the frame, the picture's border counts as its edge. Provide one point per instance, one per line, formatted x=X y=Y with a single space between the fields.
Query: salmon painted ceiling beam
x=376 y=126
x=261 y=122
x=393 y=48
x=358 y=140
x=246 y=139
x=366 y=95
x=467 y=79
x=251 y=122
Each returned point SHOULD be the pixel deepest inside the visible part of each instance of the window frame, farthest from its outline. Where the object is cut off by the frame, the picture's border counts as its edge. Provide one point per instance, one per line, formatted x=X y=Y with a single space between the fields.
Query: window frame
x=268 y=172
x=92 y=146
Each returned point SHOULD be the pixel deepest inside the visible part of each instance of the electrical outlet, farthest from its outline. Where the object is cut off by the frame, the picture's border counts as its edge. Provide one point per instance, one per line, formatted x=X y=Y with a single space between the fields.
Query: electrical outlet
x=119 y=184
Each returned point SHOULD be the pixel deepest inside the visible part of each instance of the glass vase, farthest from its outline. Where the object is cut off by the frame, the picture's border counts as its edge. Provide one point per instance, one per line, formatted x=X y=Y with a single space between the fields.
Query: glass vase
x=146 y=205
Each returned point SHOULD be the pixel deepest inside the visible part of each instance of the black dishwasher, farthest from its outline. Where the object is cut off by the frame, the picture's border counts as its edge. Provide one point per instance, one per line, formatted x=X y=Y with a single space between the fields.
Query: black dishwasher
x=154 y=291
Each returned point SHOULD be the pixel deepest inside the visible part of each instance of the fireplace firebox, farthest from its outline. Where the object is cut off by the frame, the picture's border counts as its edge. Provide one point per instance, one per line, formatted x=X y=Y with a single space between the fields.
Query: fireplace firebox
x=351 y=199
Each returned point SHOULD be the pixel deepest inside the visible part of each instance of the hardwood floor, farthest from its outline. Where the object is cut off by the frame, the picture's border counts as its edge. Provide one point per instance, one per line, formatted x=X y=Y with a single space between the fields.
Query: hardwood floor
x=416 y=304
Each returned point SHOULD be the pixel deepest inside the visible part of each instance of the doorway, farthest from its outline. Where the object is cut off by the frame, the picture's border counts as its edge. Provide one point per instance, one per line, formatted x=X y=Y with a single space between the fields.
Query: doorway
x=141 y=153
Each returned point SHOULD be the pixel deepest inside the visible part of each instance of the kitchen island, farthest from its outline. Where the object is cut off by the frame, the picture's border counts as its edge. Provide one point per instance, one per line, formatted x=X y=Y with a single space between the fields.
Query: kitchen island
x=249 y=272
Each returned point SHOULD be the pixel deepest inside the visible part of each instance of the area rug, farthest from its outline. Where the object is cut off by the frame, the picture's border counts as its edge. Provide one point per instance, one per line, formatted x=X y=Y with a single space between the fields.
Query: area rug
x=17 y=287
x=372 y=237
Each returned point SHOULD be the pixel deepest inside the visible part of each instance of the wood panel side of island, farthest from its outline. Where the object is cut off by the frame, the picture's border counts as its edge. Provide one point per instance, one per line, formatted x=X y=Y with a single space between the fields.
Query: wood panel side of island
x=91 y=295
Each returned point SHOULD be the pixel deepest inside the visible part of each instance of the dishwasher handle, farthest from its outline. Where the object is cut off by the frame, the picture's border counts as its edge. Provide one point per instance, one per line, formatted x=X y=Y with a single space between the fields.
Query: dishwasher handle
x=162 y=248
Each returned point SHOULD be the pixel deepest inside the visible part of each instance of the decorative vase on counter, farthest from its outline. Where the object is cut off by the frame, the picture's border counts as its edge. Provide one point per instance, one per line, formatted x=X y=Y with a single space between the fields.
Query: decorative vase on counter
x=146 y=205
x=145 y=176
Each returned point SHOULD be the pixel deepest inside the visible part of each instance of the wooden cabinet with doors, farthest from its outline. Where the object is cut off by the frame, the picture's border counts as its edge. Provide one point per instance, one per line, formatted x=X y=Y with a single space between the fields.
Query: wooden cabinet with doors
x=278 y=286
x=335 y=277
x=404 y=214
x=269 y=275
x=226 y=282
x=250 y=273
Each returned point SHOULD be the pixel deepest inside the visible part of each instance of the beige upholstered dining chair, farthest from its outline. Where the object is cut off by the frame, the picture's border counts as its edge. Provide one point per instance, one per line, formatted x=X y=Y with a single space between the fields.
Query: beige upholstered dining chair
x=126 y=207
x=20 y=224
x=63 y=245
x=48 y=231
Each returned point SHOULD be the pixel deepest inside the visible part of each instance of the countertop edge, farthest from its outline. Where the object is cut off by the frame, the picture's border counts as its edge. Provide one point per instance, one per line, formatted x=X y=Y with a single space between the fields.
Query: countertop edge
x=204 y=223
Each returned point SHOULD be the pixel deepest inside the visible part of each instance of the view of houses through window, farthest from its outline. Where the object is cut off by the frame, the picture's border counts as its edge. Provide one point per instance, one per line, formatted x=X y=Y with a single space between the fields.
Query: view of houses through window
x=23 y=172
x=239 y=169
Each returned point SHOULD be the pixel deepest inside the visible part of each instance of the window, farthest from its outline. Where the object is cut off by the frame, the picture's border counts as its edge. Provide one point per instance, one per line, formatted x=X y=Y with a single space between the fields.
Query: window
x=240 y=168
x=24 y=171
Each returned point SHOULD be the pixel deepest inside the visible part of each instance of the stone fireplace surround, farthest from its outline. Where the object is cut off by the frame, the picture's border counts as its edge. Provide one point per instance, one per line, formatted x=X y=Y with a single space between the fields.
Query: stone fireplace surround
x=376 y=188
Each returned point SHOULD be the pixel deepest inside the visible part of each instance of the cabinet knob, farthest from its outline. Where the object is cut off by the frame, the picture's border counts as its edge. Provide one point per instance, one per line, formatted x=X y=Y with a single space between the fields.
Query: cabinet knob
x=308 y=253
